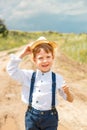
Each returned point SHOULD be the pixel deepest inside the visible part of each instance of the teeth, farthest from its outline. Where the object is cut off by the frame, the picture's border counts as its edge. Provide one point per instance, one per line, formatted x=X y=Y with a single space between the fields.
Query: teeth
x=44 y=65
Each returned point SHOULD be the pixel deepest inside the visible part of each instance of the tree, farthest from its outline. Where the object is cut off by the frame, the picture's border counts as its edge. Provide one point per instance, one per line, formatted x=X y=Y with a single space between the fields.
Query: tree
x=3 y=28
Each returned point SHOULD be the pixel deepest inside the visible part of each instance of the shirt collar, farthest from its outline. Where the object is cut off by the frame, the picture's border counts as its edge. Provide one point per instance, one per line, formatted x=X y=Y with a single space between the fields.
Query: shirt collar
x=38 y=72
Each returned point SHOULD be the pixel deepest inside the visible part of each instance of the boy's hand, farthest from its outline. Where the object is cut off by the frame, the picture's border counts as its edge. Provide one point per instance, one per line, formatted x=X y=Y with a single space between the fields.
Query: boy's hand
x=68 y=93
x=27 y=50
x=66 y=89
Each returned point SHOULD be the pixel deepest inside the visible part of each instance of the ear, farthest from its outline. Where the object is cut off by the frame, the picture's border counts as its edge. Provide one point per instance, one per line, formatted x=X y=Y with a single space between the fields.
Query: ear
x=34 y=59
x=53 y=56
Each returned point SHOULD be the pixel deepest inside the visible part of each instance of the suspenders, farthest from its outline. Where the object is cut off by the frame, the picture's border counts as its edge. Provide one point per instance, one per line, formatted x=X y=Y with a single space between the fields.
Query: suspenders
x=32 y=88
x=53 y=88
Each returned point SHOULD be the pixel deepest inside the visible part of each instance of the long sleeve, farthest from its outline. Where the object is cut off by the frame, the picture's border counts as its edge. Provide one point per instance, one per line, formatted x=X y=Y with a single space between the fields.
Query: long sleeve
x=60 y=83
x=15 y=72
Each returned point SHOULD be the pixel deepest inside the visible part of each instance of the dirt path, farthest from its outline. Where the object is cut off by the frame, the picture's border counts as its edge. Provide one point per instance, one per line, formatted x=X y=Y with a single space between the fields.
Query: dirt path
x=11 y=125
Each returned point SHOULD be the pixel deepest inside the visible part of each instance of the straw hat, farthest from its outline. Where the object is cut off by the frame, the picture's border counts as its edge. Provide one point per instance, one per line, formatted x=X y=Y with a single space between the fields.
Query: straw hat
x=42 y=40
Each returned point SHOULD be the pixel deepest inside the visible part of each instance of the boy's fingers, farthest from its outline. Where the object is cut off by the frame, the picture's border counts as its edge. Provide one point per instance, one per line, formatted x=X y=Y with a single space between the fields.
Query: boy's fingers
x=65 y=87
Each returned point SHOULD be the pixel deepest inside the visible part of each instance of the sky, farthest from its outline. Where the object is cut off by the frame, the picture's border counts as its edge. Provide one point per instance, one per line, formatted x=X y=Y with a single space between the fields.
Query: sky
x=64 y=16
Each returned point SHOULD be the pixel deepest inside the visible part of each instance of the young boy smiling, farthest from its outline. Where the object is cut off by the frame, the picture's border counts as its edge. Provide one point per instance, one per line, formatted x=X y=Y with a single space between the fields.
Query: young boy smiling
x=40 y=87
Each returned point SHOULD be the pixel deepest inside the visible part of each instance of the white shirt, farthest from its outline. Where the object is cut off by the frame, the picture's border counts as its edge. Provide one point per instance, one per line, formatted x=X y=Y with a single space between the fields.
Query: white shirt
x=42 y=94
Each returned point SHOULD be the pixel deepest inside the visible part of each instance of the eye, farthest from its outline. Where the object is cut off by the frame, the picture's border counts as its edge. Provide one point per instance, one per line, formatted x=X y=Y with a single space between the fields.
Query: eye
x=48 y=57
x=40 y=58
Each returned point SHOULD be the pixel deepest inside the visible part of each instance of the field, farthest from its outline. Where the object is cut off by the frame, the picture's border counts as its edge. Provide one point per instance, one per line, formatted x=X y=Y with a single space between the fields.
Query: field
x=74 y=45
x=70 y=61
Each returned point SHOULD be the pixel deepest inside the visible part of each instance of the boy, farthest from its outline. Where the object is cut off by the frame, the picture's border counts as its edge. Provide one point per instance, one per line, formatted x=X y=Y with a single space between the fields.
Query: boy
x=40 y=87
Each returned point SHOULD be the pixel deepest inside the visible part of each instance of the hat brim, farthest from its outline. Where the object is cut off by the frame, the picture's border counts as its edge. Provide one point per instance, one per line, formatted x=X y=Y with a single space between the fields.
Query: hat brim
x=52 y=43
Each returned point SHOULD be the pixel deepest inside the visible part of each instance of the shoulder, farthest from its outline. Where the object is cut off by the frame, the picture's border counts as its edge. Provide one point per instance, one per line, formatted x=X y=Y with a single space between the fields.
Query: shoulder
x=58 y=76
x=59 y=80
x=28 y=72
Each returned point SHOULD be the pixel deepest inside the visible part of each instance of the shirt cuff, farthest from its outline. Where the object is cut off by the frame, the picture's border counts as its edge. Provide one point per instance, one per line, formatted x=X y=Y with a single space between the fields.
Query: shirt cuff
x=64 y=83
x=15 y=58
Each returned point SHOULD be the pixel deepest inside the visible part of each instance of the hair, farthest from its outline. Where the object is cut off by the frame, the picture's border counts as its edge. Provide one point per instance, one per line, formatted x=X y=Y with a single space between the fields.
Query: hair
x=45 y=46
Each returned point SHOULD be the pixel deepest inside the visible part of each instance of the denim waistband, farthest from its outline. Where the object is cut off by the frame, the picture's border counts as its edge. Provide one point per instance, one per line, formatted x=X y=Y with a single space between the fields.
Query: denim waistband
x=40 y=112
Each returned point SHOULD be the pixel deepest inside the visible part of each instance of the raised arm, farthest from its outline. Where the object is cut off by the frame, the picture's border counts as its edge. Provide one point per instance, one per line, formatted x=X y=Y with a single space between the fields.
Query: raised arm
x=13 y=66
x=27 y=50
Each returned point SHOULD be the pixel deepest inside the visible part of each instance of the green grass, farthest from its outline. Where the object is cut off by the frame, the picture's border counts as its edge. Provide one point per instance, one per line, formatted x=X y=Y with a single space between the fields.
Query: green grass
x=73 y=45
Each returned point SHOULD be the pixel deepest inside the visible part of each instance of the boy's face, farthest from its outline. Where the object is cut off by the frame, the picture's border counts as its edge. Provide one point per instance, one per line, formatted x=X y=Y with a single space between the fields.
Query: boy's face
x=43 y=60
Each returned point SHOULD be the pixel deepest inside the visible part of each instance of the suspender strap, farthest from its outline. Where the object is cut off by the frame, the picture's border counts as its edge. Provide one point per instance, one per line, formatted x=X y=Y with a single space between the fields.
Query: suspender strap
x=32 y=87
x=53 y=89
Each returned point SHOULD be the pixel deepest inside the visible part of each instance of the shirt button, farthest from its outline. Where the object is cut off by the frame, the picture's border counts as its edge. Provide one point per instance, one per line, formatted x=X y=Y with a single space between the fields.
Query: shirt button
x=42 y=73
x=39 y=90
x=41 y=81
x=36 y=101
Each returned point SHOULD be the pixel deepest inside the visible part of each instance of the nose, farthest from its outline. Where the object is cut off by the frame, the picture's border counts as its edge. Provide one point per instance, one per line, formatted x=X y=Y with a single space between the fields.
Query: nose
x=44 y=60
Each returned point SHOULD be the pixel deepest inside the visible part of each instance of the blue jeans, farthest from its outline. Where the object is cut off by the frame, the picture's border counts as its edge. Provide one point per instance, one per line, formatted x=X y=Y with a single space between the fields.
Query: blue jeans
x=41 y=120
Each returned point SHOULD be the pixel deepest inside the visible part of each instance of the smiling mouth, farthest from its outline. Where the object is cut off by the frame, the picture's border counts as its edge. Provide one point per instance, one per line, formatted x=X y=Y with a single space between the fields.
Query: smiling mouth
x=45 y=65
